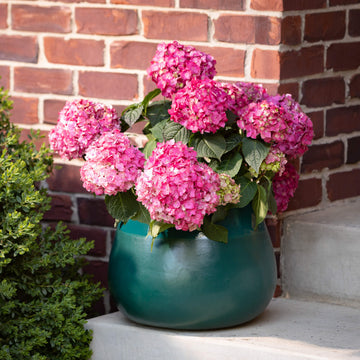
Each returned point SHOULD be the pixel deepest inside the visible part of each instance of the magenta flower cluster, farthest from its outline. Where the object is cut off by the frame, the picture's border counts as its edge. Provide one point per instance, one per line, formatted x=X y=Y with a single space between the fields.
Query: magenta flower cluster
x=200 y=106
x=80 y=123
x=176 y=188
x=112 y=164
x=175 y=64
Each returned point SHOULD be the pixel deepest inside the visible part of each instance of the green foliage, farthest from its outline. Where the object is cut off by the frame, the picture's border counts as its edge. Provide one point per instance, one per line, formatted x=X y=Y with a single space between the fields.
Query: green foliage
x=43 y=296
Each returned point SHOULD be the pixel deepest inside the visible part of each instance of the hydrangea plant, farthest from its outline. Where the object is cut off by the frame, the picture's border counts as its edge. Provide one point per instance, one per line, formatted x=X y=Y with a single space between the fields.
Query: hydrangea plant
x=211 y=146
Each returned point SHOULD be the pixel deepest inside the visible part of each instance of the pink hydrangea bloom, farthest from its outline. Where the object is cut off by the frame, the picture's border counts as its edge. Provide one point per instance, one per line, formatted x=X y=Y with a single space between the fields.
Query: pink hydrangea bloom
x=80 y=123
x=284 y=186
x=275 y=161
x=200 y=106
x=112 y=164
x=175 y=64
x=176 y=188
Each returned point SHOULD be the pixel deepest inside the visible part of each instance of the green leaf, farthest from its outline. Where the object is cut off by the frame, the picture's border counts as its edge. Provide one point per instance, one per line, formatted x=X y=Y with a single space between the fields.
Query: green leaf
x=248 y=190
x=220 y=214
x=122 y=206
x=230 y=165
x=231 y=117
x=214 y=231
x=151 y=95
x=255 y=152
x=133 y=115
x=260 y=205
x=272 y=203
x=149 y=147
x=176 y=131
x=142 y=214
x=156 y=227
x=158 y=111
x=157 y=130
x=232 y=141
x=211 y=146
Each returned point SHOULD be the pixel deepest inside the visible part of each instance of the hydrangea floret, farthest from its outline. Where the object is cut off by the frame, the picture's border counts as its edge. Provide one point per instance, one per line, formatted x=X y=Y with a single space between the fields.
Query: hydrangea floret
x=210 y=146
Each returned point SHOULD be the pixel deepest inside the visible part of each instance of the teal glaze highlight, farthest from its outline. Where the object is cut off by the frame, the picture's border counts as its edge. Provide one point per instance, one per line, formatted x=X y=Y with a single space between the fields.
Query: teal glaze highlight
x=190 y=282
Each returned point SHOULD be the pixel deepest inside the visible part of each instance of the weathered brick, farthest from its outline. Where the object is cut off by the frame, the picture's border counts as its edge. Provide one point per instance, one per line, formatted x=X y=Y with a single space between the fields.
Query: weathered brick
x=74 y=51
x=19 y=48
x=343 y=185
x=43 y=139
x=52 y=81
x=214 y=4
x=323 y=156
x=265 y=64
x=278 y=291
x=164 y=3
x=291 y=30
x=248 y=29
x=99 y=270
x=303 y=62
x=94 y=212
x=274 y=227
x=25 y=110
x=307 y=194
x=175 y=25
x=354 y=22
x=51 y=110
x=355 y=86
x=107 y=85
x=290 y=88
x=317 y=118
x=66 y=179
x=342 y=120
x=323 y=92
x=61 y=209
x=5 y=77
x=343 y=2
x=131 y=54
x=343 y=56
x=40 y=18
x=271 y=5
x=79 y=1
x=353 y=151
x=106 y=21
x=3 y=16
x=289 y=5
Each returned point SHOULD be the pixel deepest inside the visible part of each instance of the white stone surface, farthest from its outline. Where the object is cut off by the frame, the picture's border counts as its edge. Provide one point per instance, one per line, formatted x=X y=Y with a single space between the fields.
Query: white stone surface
x=288 y=330
x=320 y=255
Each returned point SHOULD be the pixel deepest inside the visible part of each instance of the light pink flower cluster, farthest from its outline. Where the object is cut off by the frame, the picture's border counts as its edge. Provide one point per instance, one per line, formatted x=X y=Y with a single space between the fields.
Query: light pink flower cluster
x=175 y=64
x=200 y=106
x=176 y=188
x=284 y=186
x=229 y=192
x=112 y=164
x=275 y=161
x=80 y=123
x=280 y=121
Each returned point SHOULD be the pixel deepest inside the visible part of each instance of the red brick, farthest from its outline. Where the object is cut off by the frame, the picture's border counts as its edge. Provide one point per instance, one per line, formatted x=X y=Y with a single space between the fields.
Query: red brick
x=98 y=270
x=289 y=88
x=74 y=51
x=175 y=25
x=39 y=18
x=248 y=29
x=79 y=1
x=303 y=62
x=91 y=233
x=274 y=227
x=131 y=54
x=291 y=30
x=323 y=156
x=265 y=64
x=108 y=85
x=25 y=110
x=354 y=22
x=271 y=88
x=308 y=194
x=325 y=26
x=166 y=3
x=342 y=120
x=278 y=291
x=3 y=16
x=317 y=118
x=355 y=86
x=61 y=209
x=106 y=21
x=66 y=179
x=52 y=81
x=19 y=48
x=214 y=4
x=343 y=185
x=353 y=151
x=323 y=92
x=343 y=2
x=289 y=5
x=343 y=56
x=51 y=110
x=5 y=77
x=44 y=137
x=271 y=5
x=94 y=212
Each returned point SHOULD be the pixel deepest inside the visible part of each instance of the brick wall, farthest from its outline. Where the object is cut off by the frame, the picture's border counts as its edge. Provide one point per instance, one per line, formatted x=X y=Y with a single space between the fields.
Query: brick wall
x=54 y=50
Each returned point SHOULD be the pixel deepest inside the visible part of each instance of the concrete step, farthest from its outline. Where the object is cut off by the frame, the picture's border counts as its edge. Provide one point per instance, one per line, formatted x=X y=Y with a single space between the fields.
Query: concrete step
x=287 y=330
x=320 y=255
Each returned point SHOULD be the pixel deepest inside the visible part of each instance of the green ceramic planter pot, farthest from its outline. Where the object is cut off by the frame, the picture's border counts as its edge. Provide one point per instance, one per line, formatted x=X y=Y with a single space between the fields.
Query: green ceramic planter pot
x=190 y=282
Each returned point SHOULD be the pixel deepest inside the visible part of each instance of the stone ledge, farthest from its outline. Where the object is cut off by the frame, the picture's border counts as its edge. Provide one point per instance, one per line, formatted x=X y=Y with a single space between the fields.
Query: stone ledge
x=288 y=329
